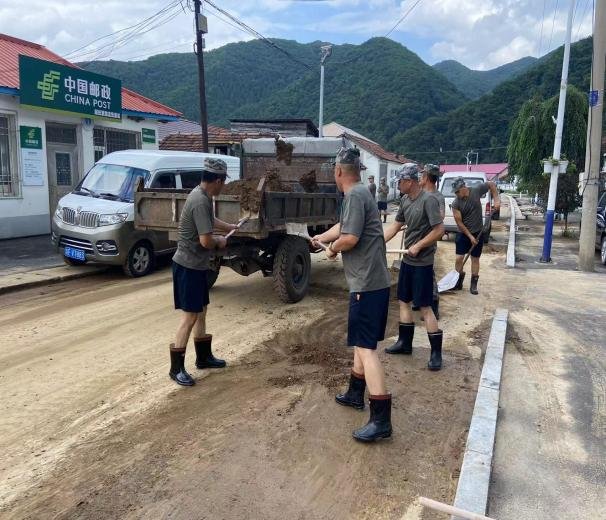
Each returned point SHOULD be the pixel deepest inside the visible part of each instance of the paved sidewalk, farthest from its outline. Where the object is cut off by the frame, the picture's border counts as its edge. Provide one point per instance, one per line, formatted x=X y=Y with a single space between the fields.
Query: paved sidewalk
x=31 y=261
x=551 y=436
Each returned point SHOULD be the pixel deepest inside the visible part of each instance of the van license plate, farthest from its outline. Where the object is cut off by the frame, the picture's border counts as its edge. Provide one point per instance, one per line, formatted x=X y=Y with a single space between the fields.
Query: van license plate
x=77 y=254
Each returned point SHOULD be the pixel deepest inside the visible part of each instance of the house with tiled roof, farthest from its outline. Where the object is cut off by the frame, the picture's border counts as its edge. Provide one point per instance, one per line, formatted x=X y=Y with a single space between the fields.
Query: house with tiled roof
x=378 y=162
x=56 y=120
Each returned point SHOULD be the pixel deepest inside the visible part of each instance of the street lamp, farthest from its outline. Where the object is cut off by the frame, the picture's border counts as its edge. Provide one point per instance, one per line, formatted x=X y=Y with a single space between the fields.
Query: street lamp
x=325 y=52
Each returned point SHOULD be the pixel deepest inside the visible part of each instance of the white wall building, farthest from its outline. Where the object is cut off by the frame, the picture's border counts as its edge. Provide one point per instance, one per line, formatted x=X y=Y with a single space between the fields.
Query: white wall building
x=44 y=152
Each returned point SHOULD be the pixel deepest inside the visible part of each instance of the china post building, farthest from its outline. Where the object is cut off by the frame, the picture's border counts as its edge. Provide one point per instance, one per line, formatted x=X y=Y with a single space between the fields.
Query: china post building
x=56 y=120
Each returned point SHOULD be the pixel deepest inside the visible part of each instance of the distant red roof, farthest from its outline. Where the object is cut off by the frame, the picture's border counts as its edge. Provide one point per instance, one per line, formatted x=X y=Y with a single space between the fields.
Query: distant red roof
x=192 y=142
x=11 y=47
x=499 y=170
x=377 y=150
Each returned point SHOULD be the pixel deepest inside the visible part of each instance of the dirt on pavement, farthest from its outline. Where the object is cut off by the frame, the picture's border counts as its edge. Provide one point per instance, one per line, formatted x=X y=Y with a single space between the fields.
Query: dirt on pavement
x=93 y=427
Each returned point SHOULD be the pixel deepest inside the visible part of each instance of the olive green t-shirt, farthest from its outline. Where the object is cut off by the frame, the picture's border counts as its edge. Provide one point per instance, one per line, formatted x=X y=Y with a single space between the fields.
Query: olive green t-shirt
x=365 y=265
x=383 y=192
x=420 y=216
x=471 y=208
x=441 y=200
x=197 y=219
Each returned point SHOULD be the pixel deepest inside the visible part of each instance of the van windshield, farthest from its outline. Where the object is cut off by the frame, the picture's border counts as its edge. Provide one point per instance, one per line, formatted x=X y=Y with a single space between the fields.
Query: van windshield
x=111 y=181
x=447 y=185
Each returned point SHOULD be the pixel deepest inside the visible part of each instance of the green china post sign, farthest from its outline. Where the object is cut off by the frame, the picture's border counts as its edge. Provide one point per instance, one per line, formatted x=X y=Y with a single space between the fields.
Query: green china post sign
x=149 y=135
x=31 y=137
x=45 y=85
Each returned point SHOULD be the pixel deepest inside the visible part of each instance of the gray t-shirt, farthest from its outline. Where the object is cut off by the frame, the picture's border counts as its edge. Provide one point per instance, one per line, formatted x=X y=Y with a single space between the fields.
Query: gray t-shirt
x=373 y=190
x=471 y=208
x=420 y=216
x=365 y=265
x=383 y=193
x=196 y=219
x=441 y=200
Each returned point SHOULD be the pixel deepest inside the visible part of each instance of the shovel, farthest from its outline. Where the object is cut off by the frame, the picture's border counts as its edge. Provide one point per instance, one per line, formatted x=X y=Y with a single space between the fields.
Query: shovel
x=300 y=230
x=240 y=223
x=450 y=280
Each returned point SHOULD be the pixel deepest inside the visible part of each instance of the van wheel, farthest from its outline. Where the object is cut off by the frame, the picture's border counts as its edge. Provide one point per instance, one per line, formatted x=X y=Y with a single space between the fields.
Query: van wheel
x=73 y=262
x=140 y=260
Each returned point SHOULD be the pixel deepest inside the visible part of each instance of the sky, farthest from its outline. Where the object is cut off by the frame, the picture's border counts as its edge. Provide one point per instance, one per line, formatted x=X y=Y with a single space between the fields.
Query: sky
x=481 y=34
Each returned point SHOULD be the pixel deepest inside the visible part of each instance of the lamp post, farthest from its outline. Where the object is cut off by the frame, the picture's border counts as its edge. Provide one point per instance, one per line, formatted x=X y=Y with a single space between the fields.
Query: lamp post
x=326 y=51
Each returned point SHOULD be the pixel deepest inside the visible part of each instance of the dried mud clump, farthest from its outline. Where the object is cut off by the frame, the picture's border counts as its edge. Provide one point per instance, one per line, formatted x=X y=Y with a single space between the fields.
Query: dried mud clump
x=308 y=182
x=284 y=151
x=246 y=190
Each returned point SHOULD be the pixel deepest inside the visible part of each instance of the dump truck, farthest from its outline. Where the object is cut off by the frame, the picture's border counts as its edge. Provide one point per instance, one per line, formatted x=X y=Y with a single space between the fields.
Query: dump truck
x=262 y=243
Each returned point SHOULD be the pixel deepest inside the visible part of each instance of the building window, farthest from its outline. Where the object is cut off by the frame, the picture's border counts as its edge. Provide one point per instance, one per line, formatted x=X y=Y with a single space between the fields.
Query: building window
x=107 y=141
x=64 y=169
x=9 y=182
x=61 y=134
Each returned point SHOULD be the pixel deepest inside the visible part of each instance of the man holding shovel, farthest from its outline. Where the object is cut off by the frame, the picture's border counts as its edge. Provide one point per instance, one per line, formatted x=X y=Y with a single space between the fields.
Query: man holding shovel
x=420 y=212
x=467 y=212
x=190 y=266
x=359 y=238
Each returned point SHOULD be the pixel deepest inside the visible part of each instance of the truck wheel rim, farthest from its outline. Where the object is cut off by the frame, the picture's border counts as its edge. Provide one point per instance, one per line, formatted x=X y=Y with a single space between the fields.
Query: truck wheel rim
x=140 y=259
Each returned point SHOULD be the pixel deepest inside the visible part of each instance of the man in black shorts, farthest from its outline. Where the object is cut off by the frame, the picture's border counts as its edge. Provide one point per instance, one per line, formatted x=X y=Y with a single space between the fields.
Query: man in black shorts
x=429 y=180
x=420 y=212
x=190 y=267
x=359 y=238
x=467 y=212
x=383 y=194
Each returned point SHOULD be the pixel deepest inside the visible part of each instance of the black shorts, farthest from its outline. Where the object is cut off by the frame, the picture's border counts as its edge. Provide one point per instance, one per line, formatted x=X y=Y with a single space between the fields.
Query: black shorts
x=382 y=206
x=190 y=288
x=367 y=318
x=463 y=245
x=415 y=284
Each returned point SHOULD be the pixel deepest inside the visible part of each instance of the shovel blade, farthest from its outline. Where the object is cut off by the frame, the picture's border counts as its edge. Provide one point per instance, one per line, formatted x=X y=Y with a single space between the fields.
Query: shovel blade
x=448 y=282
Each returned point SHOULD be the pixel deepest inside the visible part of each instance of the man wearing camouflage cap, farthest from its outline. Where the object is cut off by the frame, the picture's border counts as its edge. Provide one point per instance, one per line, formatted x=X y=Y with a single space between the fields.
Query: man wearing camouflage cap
x=468 y=214
x=420 y=212
x=191 y=263
x=430 y=176
x=359 y=238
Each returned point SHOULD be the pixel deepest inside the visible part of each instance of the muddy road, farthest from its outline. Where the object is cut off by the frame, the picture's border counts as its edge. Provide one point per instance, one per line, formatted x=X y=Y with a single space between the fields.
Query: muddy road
x=92 y=427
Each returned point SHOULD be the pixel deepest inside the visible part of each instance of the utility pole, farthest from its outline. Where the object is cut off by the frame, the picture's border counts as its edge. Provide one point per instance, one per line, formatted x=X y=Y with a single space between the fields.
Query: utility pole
x=201 y=28
x=326 y=51
x=590 y=182
x=557 y=145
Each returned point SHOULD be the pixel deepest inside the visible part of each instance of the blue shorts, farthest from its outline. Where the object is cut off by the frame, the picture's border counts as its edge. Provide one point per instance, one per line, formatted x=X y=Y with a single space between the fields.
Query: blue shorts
x=367 y=318
x=415 y=284
x=382 y=206
x=463 y=245
x=190 y=288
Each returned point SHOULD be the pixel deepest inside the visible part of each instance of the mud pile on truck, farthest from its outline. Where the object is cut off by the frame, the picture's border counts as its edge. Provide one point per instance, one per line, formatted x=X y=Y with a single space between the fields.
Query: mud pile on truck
x=248 y=191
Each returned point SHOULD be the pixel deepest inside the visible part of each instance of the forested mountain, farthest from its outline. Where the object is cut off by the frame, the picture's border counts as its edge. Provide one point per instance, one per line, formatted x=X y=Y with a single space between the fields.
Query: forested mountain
x=475 y=83
x=485 y=123
x=378 y=88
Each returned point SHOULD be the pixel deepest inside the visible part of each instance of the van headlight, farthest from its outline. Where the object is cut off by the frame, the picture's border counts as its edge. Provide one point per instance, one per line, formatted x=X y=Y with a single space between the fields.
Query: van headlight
x=59 y=212
x=112 y=218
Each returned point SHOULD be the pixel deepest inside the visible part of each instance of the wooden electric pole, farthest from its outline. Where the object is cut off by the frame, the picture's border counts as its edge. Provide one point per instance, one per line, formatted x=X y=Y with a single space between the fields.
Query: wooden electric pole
x=201 y=28
x=590 y=181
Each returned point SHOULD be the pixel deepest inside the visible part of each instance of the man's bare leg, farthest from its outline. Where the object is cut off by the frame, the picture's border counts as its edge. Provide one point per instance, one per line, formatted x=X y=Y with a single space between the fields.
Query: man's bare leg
x=431 y=324
x=373 y=370
x=475 y=266
x=200 y=326
x=406 y=312
x=188 y=320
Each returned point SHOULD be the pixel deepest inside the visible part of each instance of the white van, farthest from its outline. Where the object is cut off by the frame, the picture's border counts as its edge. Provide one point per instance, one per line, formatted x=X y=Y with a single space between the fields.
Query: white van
x=95 y=222
x=471 y=179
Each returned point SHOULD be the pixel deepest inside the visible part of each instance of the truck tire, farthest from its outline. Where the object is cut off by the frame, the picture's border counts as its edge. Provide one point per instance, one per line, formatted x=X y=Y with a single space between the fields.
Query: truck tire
x=213 y=272
x=140 y=260
x=292 y=269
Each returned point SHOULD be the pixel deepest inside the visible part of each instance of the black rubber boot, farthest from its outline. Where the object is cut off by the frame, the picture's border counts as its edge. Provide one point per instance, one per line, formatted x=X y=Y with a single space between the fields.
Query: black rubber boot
x=354 y=396
x=404 y=343
x=459 y=285
x=435 y=306
x=435 y=340
x=204 y=354
x=177 y=367
x=473 y=288
x=379 y=424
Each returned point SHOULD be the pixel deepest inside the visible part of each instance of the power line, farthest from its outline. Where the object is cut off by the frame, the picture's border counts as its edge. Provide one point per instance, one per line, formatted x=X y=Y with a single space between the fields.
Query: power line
x=438 y=152
x=555 y=12
x=542 y=23
x=258 y=35
x=581 y=18
x=403 y=18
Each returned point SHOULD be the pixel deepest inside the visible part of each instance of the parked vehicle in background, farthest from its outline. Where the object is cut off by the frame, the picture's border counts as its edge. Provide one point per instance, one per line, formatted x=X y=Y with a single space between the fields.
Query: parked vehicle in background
x=600 y=234
x=471 y=179
x=95 y=222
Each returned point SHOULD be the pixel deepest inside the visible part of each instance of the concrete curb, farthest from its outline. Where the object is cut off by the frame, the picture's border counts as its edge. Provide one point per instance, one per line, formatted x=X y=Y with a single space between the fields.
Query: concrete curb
x=472 y=490
x=49 y=276
x=511 y=246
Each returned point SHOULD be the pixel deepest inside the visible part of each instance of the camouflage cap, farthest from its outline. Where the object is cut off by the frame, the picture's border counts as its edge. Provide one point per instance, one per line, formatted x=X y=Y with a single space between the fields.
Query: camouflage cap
x=217 y=166
x=348 y=156
x=433 y=169
x=409 y=171
x=458 y=183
